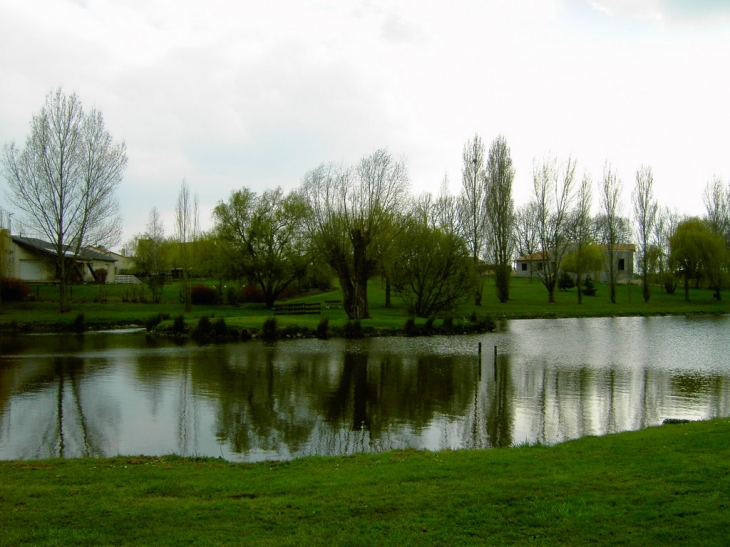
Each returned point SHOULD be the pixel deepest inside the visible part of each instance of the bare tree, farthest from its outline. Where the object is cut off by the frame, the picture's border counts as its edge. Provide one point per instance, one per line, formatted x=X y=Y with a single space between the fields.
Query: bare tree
x=716 y=198
x=473 y=203
x=353 y=212
x=500 y=215
x=186 y=233
x=611 y=227
x=665 y=225
x=64 y=181
x=582 y=230
x=526 y=233
x=151 y=251
x=553 y=194
x=645 y=212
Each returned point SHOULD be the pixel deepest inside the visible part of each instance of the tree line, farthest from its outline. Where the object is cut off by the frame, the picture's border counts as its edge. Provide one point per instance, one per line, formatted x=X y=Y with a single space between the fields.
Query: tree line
x=358 y=222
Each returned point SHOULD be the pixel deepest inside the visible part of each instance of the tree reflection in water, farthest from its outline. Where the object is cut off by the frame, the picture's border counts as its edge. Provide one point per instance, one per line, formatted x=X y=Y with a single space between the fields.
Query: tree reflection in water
x=98 y=395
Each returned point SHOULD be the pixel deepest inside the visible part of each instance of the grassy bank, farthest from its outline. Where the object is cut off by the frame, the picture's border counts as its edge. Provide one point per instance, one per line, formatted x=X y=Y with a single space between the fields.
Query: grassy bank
x=668 y=485
x=120 y=305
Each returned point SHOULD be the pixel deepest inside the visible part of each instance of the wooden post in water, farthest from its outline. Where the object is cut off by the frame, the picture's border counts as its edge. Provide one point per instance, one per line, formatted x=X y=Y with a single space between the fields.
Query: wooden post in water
x=495 y=362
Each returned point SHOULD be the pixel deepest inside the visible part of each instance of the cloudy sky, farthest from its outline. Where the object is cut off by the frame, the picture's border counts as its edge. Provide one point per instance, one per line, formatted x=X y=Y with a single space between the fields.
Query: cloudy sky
x=233 y=93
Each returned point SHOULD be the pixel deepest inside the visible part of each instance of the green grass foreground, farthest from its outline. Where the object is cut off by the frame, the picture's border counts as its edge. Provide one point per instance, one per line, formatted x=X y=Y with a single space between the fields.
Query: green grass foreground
x=667 y=485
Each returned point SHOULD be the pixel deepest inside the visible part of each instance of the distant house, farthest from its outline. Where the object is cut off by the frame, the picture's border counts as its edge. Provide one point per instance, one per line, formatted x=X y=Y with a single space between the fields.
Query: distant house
x=34 y=260
x=533 y=264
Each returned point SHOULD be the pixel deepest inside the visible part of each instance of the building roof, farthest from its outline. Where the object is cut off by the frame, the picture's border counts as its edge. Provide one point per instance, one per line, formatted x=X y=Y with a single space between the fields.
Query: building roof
x=85 y=254
x=539 y=256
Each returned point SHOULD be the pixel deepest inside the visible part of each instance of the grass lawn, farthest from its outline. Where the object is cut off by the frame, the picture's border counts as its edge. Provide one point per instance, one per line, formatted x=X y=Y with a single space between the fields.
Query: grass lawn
x=667 y=485
x=111 y=305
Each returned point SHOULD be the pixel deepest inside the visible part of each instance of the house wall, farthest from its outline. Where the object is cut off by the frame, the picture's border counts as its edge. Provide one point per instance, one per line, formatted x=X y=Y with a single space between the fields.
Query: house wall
x=624 y=263
x=27 y=265
x=522 y=267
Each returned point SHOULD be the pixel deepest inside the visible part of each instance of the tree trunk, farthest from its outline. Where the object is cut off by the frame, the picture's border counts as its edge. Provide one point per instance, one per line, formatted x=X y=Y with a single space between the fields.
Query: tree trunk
x=578 y=281
x=360 y=276
x=388 y=303
x=502 y=274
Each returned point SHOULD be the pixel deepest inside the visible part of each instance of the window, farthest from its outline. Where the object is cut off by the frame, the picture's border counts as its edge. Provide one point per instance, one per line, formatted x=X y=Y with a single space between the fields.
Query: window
x=524 y=266
x=621 y=265
x=539 y=266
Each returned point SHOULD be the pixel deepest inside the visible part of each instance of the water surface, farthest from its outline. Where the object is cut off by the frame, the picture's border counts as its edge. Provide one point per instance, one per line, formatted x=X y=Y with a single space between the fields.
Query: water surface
x=105 y=394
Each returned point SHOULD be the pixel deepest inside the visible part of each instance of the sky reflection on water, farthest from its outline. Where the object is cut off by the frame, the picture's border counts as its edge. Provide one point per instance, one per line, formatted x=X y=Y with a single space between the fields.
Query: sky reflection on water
x=553 y=380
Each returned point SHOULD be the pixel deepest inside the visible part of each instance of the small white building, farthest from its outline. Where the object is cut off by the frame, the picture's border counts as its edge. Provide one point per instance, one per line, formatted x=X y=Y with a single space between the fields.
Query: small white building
x=532 y=265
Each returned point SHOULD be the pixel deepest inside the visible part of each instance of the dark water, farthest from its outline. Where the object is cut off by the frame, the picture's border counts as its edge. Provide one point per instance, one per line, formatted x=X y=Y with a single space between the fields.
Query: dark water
x=108 y=393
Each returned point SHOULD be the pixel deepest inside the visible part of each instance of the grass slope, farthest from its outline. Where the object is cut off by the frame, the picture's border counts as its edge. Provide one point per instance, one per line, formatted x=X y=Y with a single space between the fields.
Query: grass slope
x=667 y=485
x=110 y=305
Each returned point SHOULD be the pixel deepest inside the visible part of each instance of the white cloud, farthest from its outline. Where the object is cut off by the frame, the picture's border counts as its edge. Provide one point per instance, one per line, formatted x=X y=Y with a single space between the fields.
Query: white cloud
x=230 y=94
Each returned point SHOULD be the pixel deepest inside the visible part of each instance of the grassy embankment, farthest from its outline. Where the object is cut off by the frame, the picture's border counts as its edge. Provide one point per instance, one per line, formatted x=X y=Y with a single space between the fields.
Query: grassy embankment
x=667 y=485
x=110 y=305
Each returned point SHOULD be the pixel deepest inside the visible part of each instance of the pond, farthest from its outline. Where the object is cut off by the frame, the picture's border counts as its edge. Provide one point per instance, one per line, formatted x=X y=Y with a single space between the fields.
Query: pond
x=103 y=394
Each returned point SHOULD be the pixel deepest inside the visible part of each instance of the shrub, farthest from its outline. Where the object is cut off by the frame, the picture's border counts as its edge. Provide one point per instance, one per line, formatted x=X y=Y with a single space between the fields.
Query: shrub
x=79 y=323
x=178 y=326
x=220 y=328
x=232 y=296
x=565 y=281
x=204 y=327
x=268 y=330
x=589 y=289
x=203 y=295
x=448 y=324
x=353 y=329
x=409 y=328
x=428 y=326
x=13 y=290
x=252 y=295
x=151 y=322
x=323 y=328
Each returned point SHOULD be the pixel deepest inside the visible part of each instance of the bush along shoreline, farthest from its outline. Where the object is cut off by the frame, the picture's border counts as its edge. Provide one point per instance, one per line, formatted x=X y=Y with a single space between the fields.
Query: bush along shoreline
x=210 y=328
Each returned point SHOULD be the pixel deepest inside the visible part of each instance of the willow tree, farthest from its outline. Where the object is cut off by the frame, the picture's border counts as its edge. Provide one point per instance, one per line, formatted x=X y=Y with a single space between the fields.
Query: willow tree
x=500 y=215
x=64 y=181
x=353 y=213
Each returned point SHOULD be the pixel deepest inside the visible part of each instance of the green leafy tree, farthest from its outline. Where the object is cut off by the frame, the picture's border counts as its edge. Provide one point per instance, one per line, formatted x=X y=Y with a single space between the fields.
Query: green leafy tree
x=698 y=252
x=264 y=237
x=433 y=272
x=64 y=181
x=586 y=260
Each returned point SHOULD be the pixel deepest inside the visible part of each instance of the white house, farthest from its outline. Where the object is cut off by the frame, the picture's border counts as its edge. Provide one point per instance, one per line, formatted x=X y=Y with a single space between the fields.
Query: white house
x=525 y=266
x=31 y=259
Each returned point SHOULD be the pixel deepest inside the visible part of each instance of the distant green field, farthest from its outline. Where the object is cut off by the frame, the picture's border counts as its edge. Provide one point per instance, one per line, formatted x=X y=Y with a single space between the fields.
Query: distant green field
x=108 y=305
